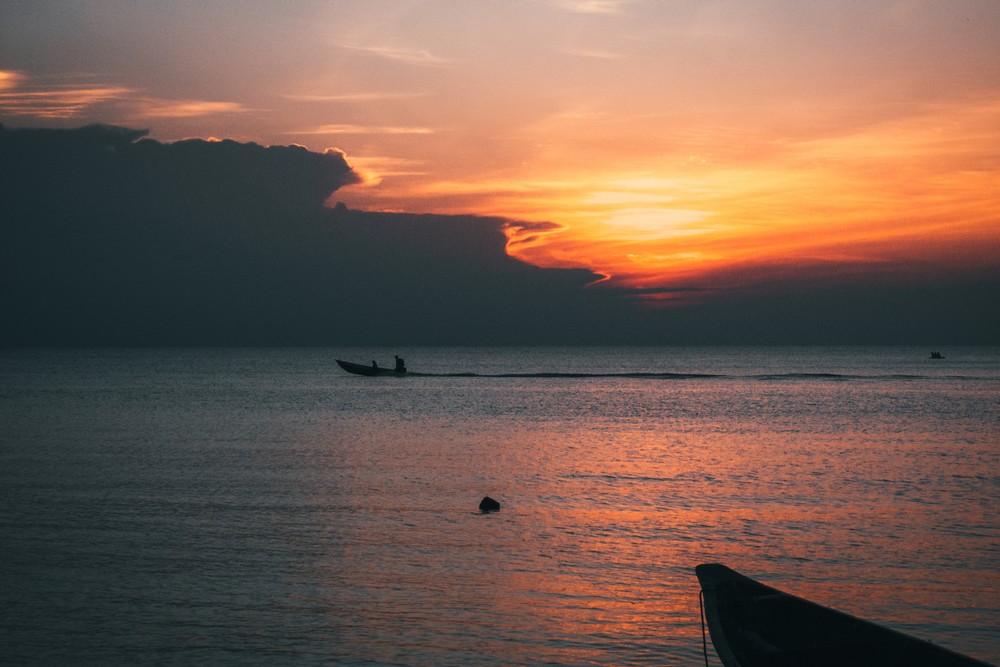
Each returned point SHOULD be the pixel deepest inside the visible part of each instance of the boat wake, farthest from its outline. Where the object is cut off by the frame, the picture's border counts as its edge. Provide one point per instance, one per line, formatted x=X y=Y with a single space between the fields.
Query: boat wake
x=769 y=377
x=665 y=376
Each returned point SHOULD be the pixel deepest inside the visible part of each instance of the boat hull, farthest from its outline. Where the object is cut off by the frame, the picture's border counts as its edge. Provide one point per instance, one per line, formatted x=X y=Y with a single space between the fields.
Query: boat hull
x=370 y=371
x=753 y=625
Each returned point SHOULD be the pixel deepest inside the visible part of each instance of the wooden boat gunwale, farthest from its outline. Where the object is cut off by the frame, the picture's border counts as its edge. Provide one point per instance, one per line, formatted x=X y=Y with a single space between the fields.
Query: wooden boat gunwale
x=777 y=622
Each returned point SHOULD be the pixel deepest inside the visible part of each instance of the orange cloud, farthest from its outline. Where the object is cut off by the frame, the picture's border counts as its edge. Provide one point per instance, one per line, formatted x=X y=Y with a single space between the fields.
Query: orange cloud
x=347 y=128
x=591 y=6
x=156 y=108
x=9 y=79
x=351 y=97
x=653 y=202
x=18 y=97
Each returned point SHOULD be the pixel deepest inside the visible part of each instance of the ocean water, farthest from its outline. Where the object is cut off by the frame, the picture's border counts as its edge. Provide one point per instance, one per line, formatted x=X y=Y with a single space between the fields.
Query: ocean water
x=261 y=506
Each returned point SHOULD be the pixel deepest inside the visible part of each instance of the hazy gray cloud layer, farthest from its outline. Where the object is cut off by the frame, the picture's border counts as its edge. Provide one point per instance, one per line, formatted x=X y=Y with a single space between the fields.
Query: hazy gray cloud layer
x=113 y=239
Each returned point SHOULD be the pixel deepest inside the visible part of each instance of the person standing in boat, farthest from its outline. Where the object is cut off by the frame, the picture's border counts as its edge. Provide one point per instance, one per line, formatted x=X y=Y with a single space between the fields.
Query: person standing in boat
x=400 y=366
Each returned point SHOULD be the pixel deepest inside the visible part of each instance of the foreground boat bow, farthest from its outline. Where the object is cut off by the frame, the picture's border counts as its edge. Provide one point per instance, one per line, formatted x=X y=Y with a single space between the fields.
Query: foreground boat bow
x=753 y=625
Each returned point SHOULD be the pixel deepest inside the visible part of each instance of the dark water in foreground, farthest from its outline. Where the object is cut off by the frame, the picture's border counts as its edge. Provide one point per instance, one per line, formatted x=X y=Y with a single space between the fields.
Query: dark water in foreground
x=263 y=507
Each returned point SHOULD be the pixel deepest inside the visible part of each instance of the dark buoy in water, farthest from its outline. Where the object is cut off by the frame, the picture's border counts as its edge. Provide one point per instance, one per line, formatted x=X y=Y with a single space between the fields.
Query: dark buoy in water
x=487 y=504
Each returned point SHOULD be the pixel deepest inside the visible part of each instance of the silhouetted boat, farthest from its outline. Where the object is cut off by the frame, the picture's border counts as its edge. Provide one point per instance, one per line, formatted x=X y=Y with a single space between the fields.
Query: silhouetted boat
x=936 y=355
x=753 y=625
x=363 y=369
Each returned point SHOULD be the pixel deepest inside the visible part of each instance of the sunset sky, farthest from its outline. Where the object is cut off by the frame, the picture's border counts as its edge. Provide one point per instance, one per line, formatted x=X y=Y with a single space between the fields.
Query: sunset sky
x=668 y=143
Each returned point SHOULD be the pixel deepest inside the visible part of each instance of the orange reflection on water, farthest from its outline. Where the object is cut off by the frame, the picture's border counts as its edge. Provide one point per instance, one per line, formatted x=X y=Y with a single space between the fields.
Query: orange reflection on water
x=834 y=491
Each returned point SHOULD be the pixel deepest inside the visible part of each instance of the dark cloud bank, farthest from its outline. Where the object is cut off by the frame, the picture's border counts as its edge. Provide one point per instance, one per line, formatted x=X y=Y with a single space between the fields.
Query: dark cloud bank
x=112 y=239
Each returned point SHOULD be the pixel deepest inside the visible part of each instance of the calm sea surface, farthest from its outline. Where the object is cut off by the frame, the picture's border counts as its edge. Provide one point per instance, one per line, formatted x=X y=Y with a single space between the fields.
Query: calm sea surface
x=261 y=506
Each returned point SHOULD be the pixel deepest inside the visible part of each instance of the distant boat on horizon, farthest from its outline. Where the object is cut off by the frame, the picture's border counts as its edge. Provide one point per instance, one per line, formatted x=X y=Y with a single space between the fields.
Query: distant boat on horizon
x=753 y=625
x=936 y=355
x=369 y=370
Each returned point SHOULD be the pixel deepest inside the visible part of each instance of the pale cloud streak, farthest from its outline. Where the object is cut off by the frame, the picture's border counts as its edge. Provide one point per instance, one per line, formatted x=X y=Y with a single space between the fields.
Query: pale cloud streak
x=20 y=97
x=352 y=97
x=593 y=54
x=418 y=57
x=153 y=108
x=347 y=128
x=591 y=6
